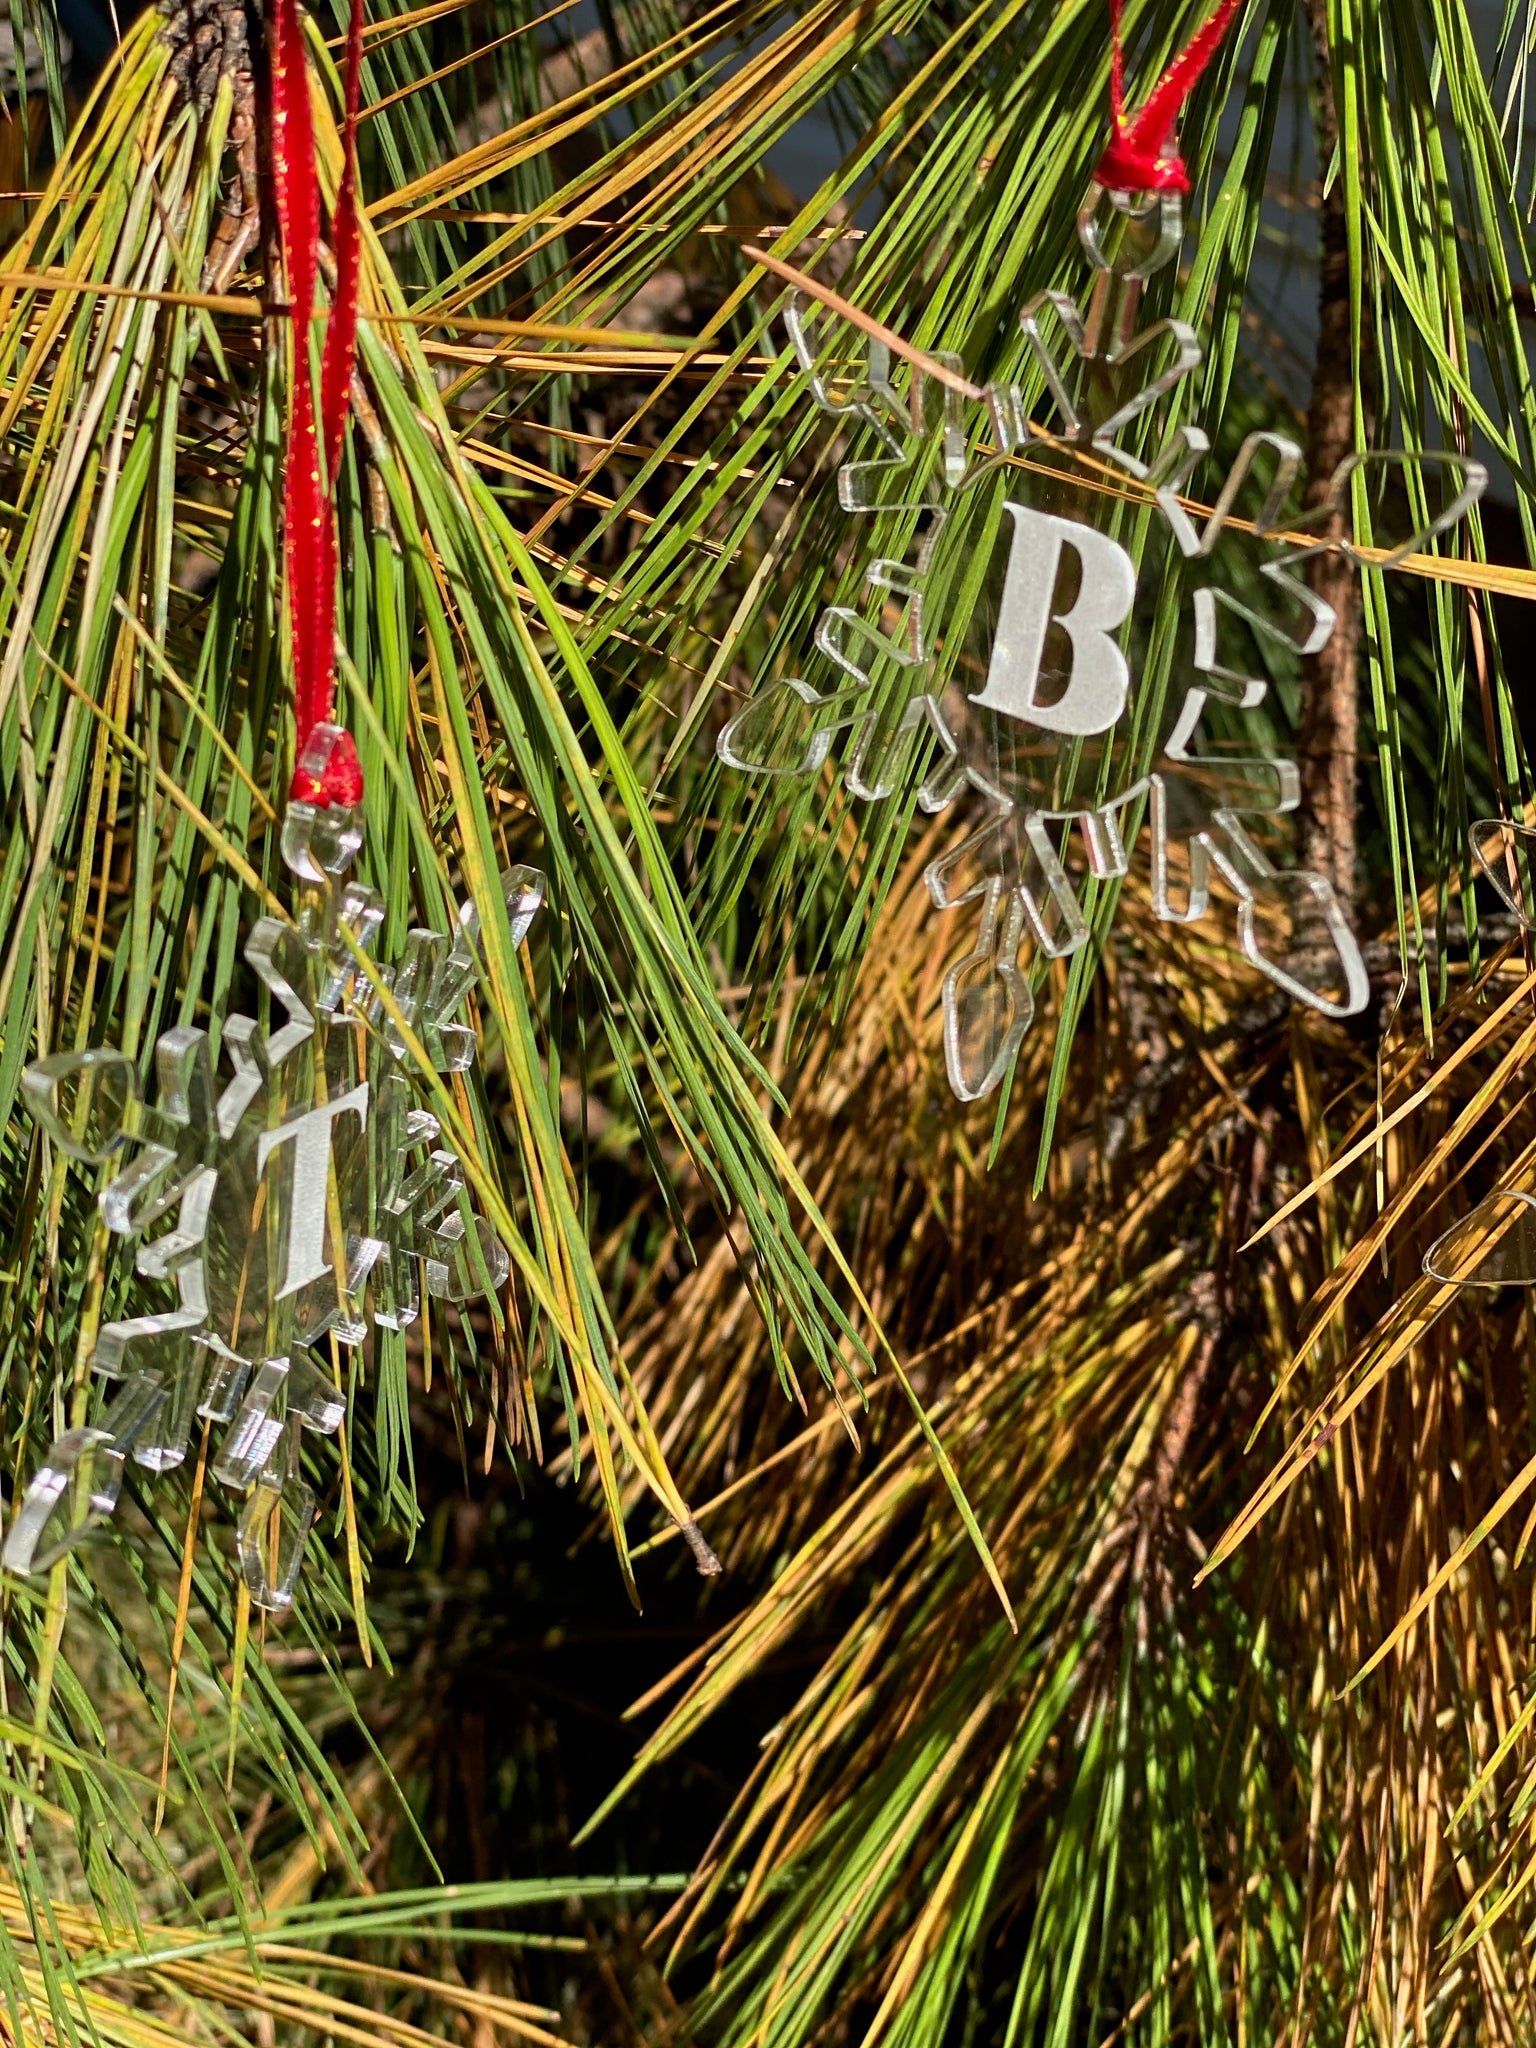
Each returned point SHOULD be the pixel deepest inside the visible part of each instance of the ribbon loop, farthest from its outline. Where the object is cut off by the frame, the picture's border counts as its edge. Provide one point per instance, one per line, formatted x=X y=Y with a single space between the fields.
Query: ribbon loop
x=315 y=446
x=1143 y=153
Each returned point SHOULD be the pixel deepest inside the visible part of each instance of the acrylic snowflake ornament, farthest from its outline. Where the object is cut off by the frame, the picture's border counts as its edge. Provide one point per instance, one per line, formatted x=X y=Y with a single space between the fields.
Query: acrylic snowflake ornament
x=304 y=1195
x=1072 y=644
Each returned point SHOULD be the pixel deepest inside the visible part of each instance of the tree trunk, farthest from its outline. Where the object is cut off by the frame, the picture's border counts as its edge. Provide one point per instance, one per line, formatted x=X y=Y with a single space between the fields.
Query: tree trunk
x=1328 y=743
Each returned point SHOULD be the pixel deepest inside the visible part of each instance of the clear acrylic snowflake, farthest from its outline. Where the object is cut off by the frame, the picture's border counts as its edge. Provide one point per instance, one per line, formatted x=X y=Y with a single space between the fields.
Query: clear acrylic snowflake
x=309 y=1195
x=1055 y=639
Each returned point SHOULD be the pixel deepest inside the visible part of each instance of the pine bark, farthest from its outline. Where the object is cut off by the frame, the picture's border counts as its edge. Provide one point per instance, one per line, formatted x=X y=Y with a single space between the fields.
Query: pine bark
x=1328 y=751
x=210 y=40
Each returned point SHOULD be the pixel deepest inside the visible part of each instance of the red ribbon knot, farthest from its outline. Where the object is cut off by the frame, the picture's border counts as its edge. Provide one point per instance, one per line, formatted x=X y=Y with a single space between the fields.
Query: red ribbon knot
x=1143 y=154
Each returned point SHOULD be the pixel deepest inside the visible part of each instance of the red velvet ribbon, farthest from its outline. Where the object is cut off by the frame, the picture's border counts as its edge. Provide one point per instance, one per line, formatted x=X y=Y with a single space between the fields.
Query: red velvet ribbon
x=1143 y=154
x=314 y=447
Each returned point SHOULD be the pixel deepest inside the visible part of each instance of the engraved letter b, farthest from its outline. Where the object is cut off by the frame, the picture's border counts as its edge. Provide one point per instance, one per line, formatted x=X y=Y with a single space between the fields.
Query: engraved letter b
x=1096 y=688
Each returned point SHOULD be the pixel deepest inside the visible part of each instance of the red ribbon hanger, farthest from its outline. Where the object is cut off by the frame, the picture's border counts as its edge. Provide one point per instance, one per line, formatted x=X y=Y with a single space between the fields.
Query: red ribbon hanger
x=1143 y=154
x=314 y=449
